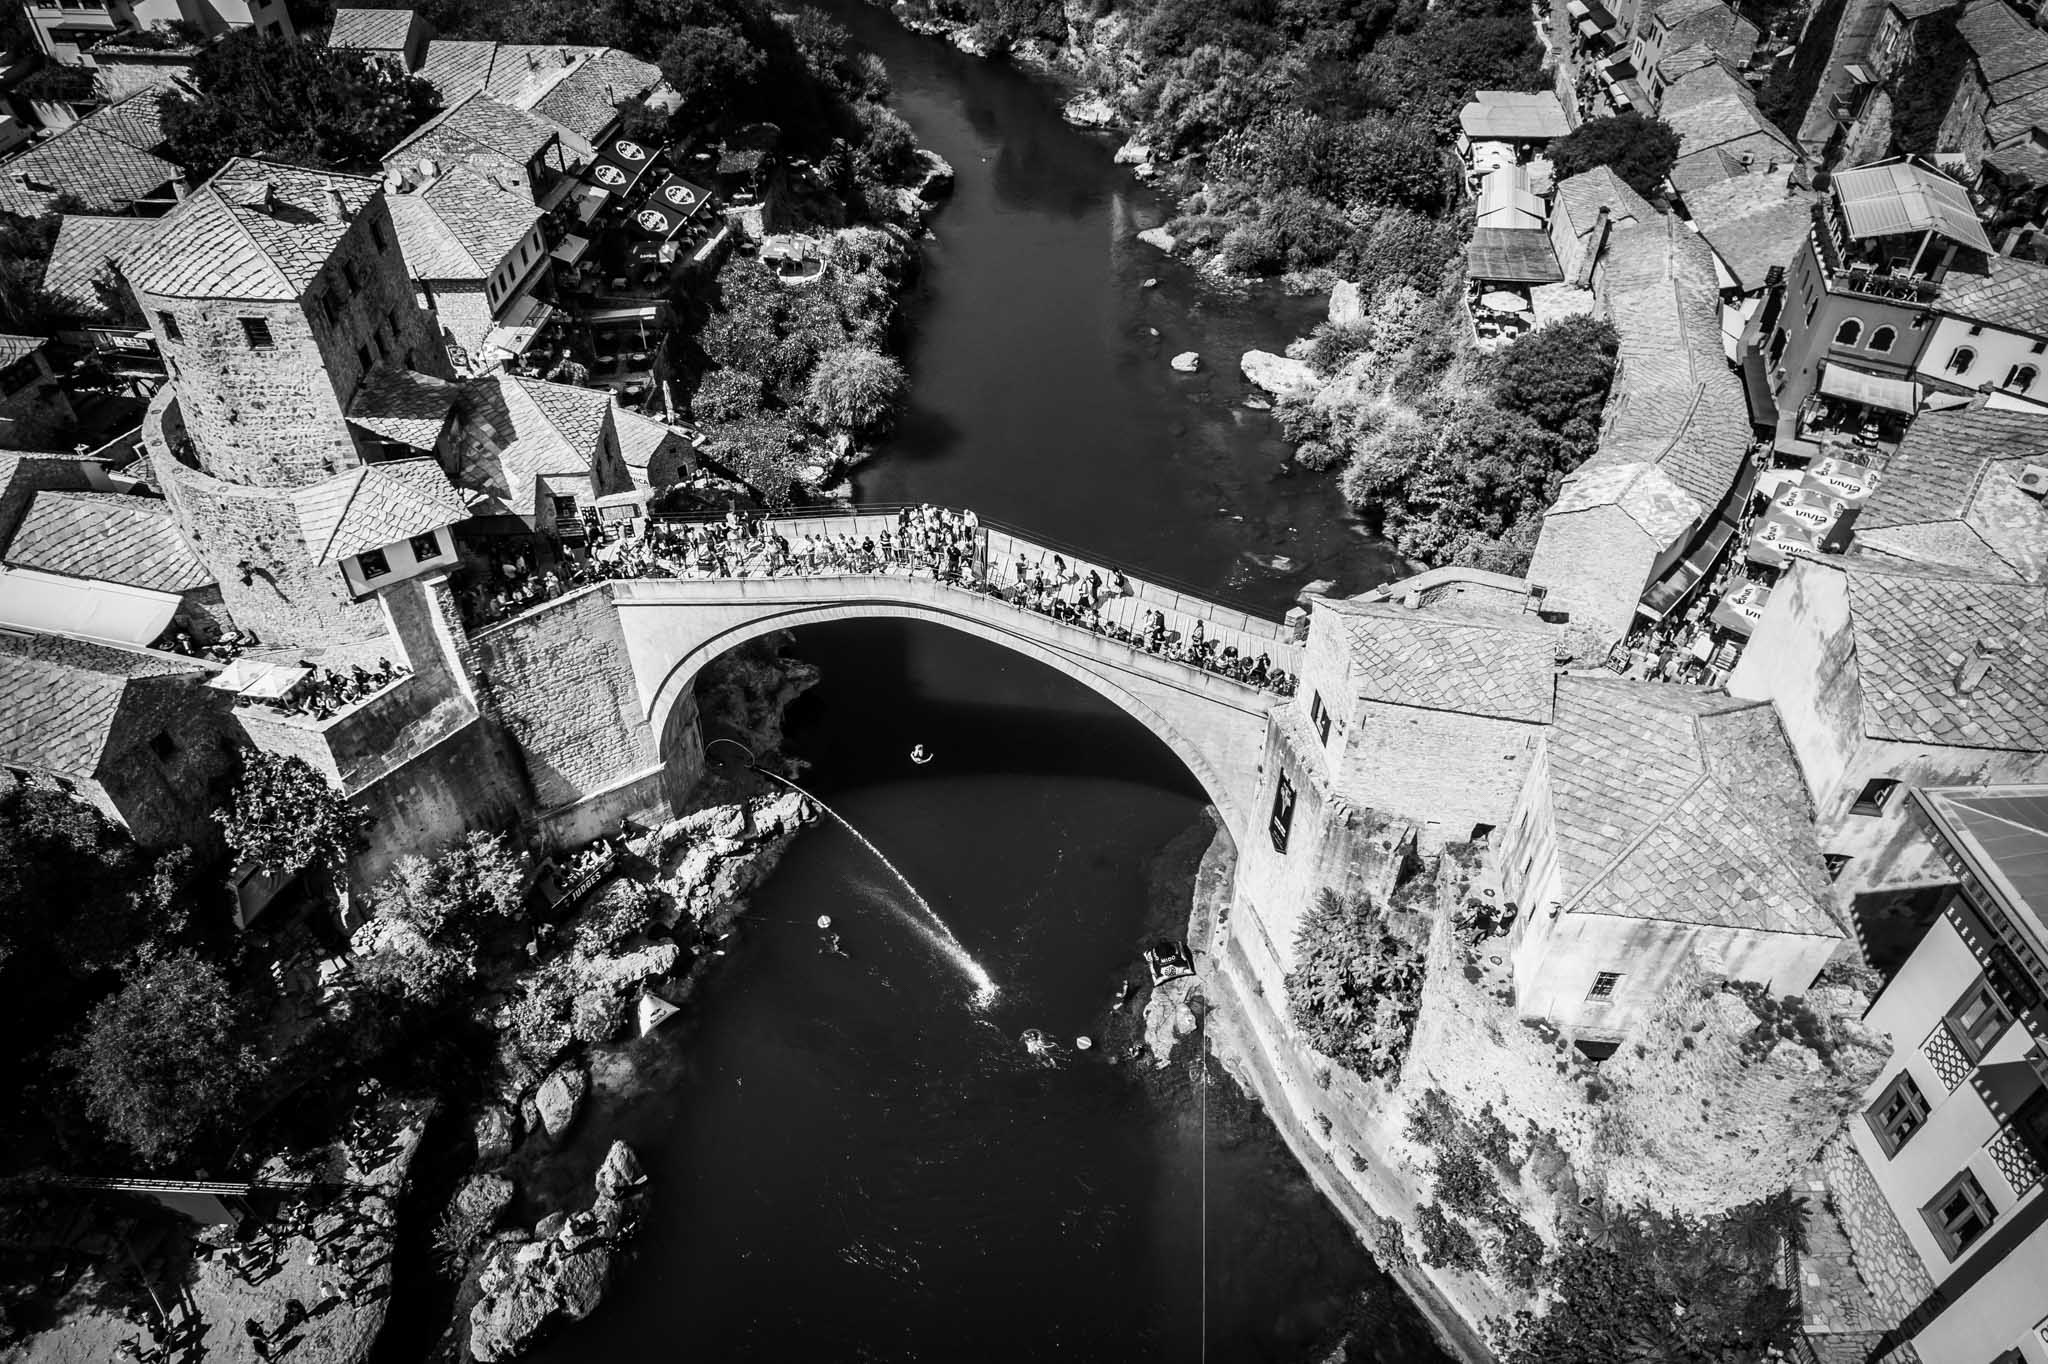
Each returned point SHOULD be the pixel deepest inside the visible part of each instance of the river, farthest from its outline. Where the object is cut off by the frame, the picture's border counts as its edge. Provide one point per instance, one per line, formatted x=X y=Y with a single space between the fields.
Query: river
x=849 y=1159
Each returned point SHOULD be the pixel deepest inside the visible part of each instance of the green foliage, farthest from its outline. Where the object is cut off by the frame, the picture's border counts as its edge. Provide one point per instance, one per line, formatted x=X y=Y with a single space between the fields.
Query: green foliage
x=855 y=389
x=1925 y=88
x=1361 y=161
x=25 y=245
x=1558 y=375
x=1427 y=75
x=1404 y=247
x=1337 y=344
x=162 y=1061
x=304 y=103
x=432 y=917
x=1446 y=1244
x=1646 y=1285
x=76 y=894
x=1356 y=986
x=284 y=817
x=1639 y=149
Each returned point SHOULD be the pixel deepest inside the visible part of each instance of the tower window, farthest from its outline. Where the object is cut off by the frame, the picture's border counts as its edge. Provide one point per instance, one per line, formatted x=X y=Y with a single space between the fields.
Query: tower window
x=373 y=563
x=170 y=326
x=363 y=358
x=1960 y=359
x=1282 y=822
x=1959 y=1214
x=1872 y=798
x=425 y=547
x=163 y=745
x=330 y=306
x=1319 y=715
x=1898 y=1113
x=377 y=236
x=256 y=332
x=1603 y=985
x=1979 y=1019
x=1883 y=339
x=2020 y=378
x=349 y=273
x=1848 y=333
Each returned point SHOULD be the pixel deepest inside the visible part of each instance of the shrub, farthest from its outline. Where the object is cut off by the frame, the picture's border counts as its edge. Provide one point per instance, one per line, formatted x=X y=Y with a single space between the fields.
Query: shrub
x=1446 y=1244
x=1559 y=375
x=854 y=389
x=1337 y=344
x=726 y=394
x=1355 y=989
x=1407 y=248
x=1253 y=249
x=1639 y=149
x=1315 y=456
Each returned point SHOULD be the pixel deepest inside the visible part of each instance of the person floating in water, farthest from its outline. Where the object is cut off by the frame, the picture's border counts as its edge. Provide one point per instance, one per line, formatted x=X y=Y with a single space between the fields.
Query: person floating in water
x=920 y=755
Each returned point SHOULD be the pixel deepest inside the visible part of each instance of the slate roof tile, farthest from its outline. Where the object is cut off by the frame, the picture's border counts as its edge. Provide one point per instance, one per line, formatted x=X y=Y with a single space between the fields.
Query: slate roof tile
x=372 y=30
x=103 y=173
x=1498 y=668
x=108 y=537
x=403 y=405
x=1753 y=222
x=586 y=100
x=85 y=245
x=1682 y=805
x=61 y=699
x=475 y=126
x=518 y=431
x=1913 y=629
x=2009 y=293
x=225 y=240
x=1950 y=494
x=374 y=505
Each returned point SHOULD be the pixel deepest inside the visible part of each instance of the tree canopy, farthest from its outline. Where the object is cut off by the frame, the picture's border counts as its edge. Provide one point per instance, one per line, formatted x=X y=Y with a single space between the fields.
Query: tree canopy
x=306 y=103
x=431 y=916
x=284 y=817
x=1355 y=987
x=76 y=894
x=855 y=388
x=1639 y=149
x=163 y=1060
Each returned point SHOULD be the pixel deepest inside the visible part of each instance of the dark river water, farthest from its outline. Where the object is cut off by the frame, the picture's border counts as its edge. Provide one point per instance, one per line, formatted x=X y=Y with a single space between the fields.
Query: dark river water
x=850 y=1160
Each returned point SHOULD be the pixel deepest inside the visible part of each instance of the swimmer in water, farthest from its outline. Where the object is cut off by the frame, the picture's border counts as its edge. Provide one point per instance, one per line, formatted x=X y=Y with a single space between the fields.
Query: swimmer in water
x=920 y=755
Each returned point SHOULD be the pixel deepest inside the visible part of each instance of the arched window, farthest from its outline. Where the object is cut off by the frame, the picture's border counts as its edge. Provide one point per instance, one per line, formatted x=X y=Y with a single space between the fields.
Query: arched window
x=1881 y=340
x=2021 y=378
x=1960 y=359
x=1848 y=332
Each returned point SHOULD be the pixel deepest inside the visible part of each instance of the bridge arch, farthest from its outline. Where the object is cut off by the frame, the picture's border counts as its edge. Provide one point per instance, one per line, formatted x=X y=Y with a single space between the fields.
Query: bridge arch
x=1214 y=727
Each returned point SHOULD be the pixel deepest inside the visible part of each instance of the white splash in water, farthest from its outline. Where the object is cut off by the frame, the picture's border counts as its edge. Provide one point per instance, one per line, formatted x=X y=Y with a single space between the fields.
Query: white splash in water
x=933 y=927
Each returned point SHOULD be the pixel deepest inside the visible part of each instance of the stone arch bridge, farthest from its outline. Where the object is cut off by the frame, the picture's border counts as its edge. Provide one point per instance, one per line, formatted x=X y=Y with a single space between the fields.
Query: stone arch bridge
x=643 y=641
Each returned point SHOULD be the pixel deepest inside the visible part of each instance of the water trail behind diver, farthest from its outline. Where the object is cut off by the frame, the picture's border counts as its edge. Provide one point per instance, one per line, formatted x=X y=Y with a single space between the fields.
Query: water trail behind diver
x=935 y=928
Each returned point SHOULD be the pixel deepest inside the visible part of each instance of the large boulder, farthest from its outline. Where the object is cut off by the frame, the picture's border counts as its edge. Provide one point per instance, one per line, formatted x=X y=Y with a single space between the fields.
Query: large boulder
x=482 y=1200
x=501 y=1324
x=1089 y=111
x=581 y=1276
x=1277 y=374
x=1132 y=153
x=1168 y=1017
x=1347 y=304
x=1159 y=237
x=620 y=1172
x=1187 y=362
x=561 y=1097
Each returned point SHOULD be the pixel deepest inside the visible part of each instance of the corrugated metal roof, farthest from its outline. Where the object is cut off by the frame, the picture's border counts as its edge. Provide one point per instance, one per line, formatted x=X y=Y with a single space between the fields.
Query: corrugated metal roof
x=1898 y=196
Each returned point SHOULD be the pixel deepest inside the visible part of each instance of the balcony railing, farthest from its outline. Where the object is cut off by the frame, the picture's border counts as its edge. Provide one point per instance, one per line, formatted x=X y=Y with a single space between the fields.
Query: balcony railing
x=1945 y=1056
x=2014 y=1159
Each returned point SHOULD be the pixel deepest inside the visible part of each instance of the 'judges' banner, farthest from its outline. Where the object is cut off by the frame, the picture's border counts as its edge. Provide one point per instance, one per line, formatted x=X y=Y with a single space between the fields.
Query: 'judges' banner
x=679 y=195
x=620 y=165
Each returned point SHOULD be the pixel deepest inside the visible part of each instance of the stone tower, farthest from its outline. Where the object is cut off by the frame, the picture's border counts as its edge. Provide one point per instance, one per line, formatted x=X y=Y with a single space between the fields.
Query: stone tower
x=274 y=292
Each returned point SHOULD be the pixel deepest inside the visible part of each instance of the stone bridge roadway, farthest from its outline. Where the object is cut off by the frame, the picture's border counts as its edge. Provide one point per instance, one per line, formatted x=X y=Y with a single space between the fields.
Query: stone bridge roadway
x=1217 y=726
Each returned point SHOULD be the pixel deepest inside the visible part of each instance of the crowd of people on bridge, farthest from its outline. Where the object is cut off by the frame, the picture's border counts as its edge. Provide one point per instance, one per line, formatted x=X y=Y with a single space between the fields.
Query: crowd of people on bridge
x=934 y=542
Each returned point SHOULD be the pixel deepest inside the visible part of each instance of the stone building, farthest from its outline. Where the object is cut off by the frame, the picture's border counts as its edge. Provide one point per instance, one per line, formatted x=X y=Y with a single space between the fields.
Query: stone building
x=1419 y=710
x=1891 y=677
x=274 y=293
x=106 y=540
x=536 y=455
x=66 y=30
x=131 y=732
x=1938 y=1181
x=1659 y=830
x=479 y=254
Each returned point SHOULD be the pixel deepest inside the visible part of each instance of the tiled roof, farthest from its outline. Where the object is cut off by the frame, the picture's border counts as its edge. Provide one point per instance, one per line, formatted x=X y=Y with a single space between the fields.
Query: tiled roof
x=257 y=230
x=109 y=537
x=2011 y=293
x=85 y=245
x=2006 y=47
x=1675 y=403
x=522 y=72
x=1950 y=495
x=586 y=100
x=1502 y=669
x=138 y=120
x=650 y=448
x=1920 y=9
x=60 y=699
x=23 y=474
x=462 y=226
x=100 y=171
x=403 y=405
x=1717 y=120
x=1581 y=197
x=1710 y=23
x=374 y=505
x=1646 y=493
x=1683 y=805
x=457 y=66
x=1915 y=629
x=13 y=347
x=476 y=124
x=1753 y=222
x=517 y=431
x=372 y=30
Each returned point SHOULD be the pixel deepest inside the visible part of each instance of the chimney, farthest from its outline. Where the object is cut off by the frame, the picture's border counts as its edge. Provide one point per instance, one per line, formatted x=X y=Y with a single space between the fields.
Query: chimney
x=1596 y=242
x=1970 y=668
x=332 y=209
x=2012 y=240
x=1413 y=599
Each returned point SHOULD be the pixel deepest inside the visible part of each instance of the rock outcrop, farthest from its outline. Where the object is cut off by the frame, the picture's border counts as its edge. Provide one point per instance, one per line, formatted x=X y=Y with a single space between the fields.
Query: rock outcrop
x=561 y=1269
x=1089 y=111
x=1347 y=304
x=1187 y=362
x=1168 y=1017
x=560 y=1098
x=1159 y=237
x=1277 y=374
x=495 y=1130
